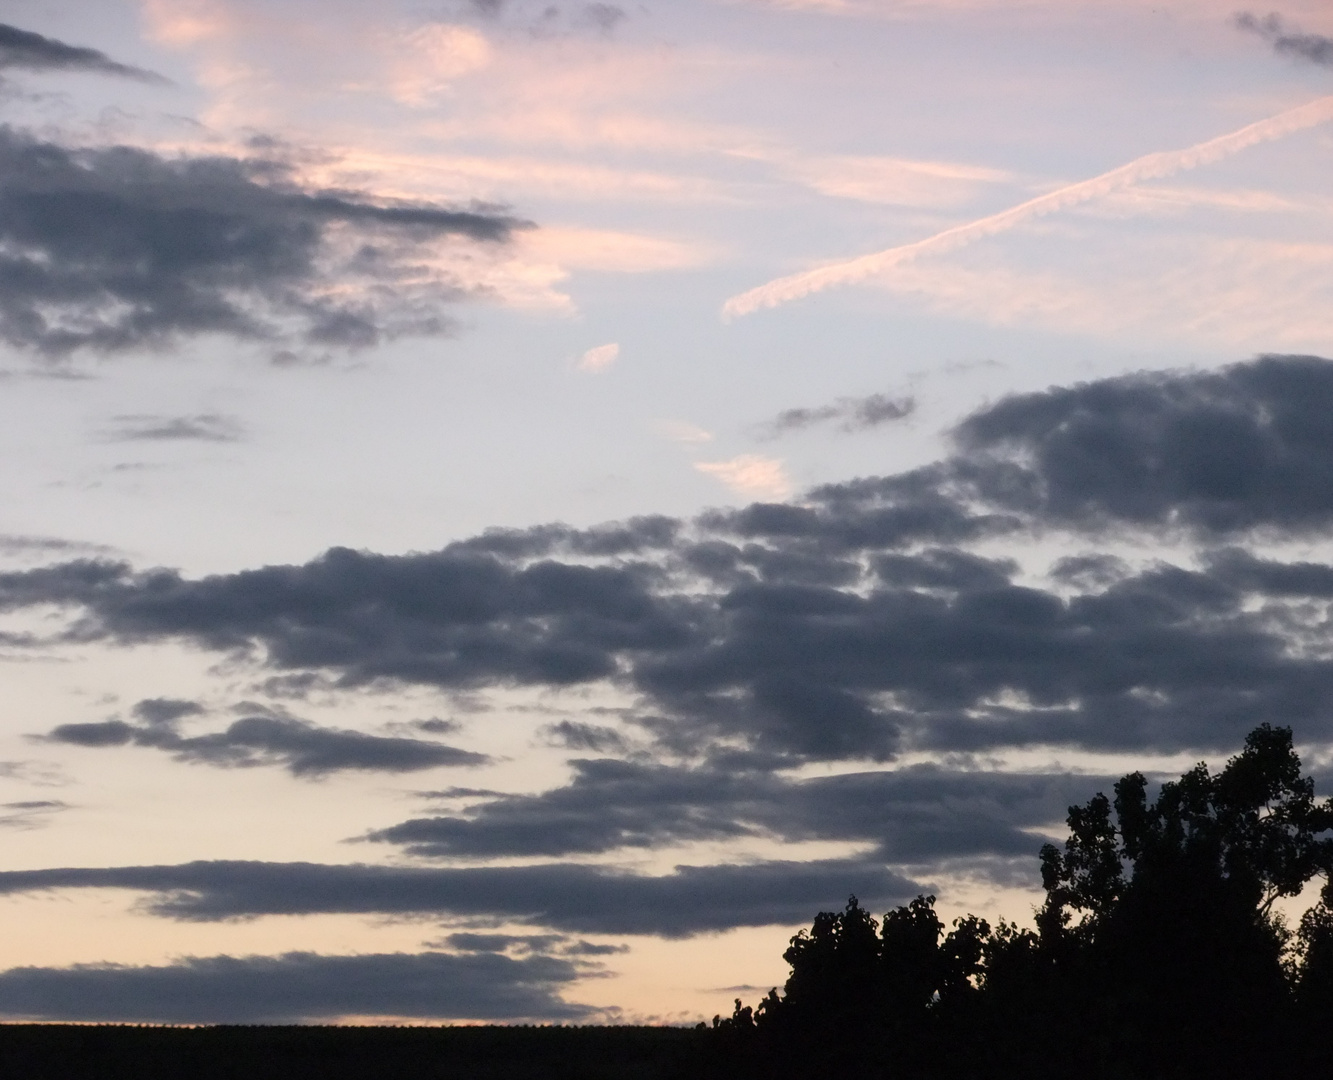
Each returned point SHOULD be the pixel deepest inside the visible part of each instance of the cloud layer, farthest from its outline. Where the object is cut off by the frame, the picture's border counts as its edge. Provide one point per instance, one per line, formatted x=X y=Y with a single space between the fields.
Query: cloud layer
x=295 y=988
x=863 y=623
x=304 y=749
x=855 y=623
x=909 y=815
x=566 y=897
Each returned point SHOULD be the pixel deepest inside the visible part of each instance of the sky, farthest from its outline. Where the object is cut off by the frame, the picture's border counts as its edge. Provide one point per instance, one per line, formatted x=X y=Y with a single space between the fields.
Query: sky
x=511 y=507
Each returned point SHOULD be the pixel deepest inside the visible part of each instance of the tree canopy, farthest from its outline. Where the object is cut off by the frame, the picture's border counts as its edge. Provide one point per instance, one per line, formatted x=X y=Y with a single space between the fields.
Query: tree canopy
x=1159 y=950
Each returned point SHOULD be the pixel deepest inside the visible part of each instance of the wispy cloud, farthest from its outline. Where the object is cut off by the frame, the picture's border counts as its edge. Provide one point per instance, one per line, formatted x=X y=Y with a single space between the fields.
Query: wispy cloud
x=12 y=544
x=1240 y=294
x=305 y=749
x=893 y=181
x=151 y=427
x=598 y=359
x=751 y=475
x=430 y=58
x=1316 y=48
x=849 y=413
x=1148 y=167
x=682 y=431
x=33 y=52
x=30 y=814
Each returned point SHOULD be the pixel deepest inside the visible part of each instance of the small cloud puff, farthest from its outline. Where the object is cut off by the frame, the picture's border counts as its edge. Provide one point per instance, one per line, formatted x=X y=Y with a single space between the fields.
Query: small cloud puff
x=599 y=359
x=751 y=475
x=850 y=414
x=682 y=431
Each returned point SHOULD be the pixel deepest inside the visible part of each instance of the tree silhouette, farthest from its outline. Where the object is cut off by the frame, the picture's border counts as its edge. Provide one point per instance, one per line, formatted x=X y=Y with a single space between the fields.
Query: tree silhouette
x=1157 y=952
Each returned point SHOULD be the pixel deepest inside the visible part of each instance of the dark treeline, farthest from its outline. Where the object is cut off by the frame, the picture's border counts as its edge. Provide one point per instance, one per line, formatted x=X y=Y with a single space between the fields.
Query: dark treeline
x=1157 y=954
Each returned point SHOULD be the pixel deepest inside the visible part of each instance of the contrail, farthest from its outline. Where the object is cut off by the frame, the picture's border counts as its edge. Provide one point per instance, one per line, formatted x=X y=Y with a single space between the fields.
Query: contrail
x=1149 y=167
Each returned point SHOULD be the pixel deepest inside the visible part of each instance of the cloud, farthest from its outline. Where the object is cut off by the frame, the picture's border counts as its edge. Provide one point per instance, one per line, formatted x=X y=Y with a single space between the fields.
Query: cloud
x=1250 y=446
x=567 y=897
x=682 y=431
x=13 y=544
x=892 y=181
x=37 y=773
x=814 y=643
x=543 y=18
x=1313 y=47
x=576 y=735
x=430 y=58
x=605 y=17
x=304 y=749
x=202 y=427
x=296 y=987
x=1146 y=284
x=851 y=414
x=855 y=624
x=166 y=710
x=913 y=815
x=33 y=52
x=116 y=248
x=611 y=251
x=29 y=814
x=1149 y=167
x=750 y=474
x=461 y=617
x=598 y=359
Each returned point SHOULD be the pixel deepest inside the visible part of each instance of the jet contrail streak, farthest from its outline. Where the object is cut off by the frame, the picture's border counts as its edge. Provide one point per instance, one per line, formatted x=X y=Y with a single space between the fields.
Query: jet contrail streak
x=1149 y=167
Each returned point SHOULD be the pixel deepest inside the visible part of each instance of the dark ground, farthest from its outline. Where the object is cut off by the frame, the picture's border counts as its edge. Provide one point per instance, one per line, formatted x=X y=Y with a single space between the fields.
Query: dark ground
x=85 y=1052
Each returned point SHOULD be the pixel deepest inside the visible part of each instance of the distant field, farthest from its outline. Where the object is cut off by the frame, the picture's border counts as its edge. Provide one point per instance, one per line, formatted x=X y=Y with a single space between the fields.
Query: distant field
x=75 y=1052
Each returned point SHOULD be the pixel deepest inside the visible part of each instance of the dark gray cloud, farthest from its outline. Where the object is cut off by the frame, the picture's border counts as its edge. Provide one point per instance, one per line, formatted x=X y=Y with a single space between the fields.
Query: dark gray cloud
x=850 y=414
x=304 y=749
x=471 y=942
x=117 y=248
x=201 y=427
x=1290 y=42
x=166 y=710
x=576 y=735
x=33 y=52
x=936 y=649
x=914 y=815
x=296 y=987
x=855 y=624
x=527 y=944
x=452 y=618
x=570 y=898
x=1219 y=452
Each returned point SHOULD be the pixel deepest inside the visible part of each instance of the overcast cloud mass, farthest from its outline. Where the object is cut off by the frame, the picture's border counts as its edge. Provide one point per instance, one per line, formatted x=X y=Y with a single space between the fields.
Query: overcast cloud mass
x=371 y=654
